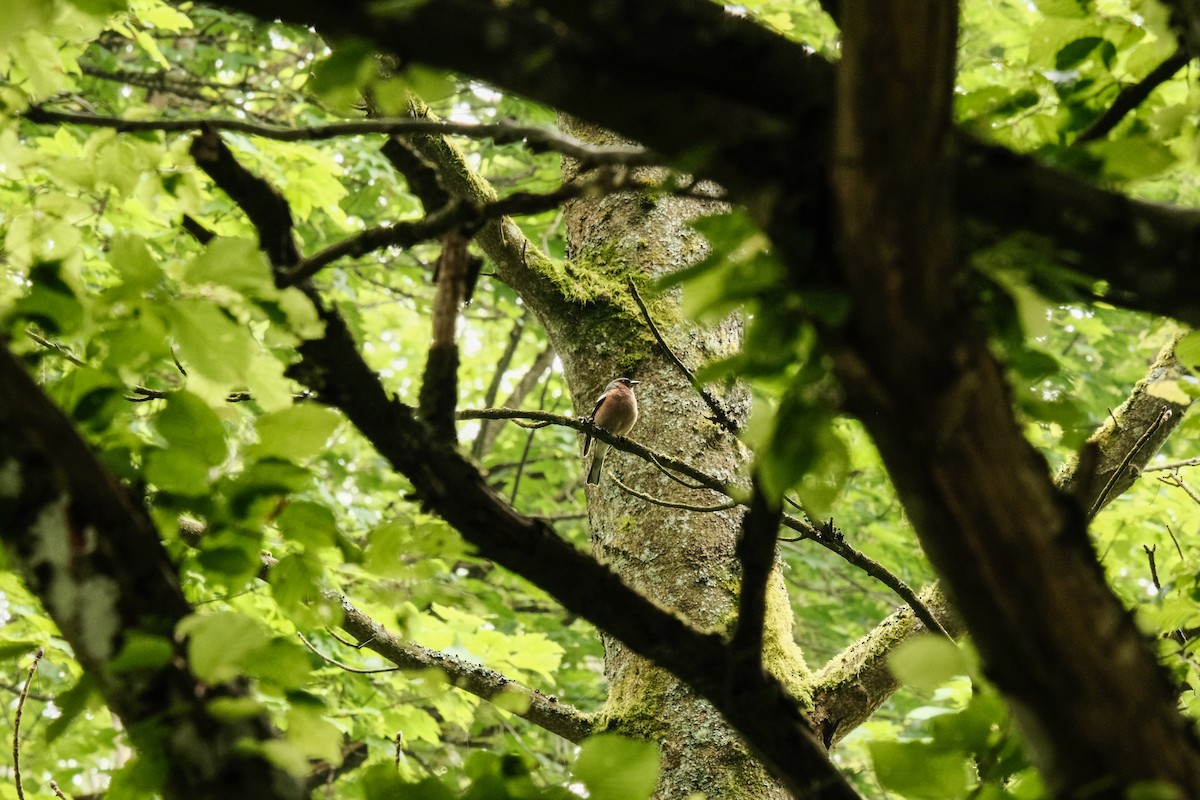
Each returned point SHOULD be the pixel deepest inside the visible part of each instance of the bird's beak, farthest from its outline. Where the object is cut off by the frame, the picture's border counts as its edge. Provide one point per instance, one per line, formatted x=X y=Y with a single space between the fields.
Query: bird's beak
x=634 y=383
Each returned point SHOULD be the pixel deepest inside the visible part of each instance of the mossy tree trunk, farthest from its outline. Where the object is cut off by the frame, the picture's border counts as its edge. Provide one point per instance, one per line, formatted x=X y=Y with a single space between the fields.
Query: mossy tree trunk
x=682 y=559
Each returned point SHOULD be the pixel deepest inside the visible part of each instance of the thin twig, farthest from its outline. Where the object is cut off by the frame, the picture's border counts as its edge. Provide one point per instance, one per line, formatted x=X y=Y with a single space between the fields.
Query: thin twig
x=16 y=748
x=832 y=539
x=57 y=791
x=720 y=415
x=664 y=462
x=493 y=390
x=512 y=501
x=339 y=664
x=1178 y=483
x=1175 y=541
x=670 y=504
x=1153 y=567
x=61 y=349
x=1174 y=465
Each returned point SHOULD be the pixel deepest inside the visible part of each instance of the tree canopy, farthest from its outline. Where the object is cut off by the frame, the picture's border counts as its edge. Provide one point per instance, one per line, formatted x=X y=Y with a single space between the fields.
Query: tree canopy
x=306 y=304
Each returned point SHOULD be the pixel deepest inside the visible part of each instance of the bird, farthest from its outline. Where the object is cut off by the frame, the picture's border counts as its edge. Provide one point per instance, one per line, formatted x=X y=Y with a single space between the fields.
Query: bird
x=616 y=411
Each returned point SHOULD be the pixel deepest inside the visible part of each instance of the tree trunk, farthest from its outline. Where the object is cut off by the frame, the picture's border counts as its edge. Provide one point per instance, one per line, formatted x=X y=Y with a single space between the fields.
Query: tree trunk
x=683 y=560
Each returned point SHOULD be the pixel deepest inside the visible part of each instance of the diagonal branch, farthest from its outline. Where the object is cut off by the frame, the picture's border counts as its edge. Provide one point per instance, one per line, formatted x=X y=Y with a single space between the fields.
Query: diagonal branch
x=720 y=415
x=1133 y=96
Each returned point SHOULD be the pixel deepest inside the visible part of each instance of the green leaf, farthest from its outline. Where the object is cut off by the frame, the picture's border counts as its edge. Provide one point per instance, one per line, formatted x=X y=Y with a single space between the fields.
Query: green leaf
x=919 y=770
x=294 y=584
x=176 y=471
x=234 y=708
x=50 y=303
x=282 y=662
x=17 y=648
x=236 y=263
x=23 y=15
x=294 y=433
x=417 y=724
x=1075 y=53
x=1172 y=391
x=1187 y=350
x=188 y=423
x=338 y=79
x=313 y=735
x=219 y=643
x=100 y=8
x=310 y=524
x=211 y=345
x=384 y=547
x=1132 y=158
x=130 y=257
x=1064 y=8
x=926 y=662
x=615 y=768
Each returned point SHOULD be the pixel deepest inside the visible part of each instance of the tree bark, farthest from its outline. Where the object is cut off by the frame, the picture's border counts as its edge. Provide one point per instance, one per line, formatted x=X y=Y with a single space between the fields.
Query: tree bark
x=683 y=560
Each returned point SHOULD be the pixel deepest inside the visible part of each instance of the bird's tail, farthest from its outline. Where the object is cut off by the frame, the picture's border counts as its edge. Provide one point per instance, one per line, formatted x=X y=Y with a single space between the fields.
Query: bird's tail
x=597 y=463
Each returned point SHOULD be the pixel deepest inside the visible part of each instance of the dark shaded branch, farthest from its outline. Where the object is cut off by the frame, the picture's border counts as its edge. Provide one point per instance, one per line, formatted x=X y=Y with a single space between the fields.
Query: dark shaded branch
x=757 y=706
x=537 y=139
x=1012 y=549
x=857 y=681
x=423 y=180
x=265 y=206
x=1133 y=96
x=756 y=553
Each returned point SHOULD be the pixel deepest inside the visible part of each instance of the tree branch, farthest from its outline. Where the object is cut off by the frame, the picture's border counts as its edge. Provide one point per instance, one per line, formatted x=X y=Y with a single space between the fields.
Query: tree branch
x=754 y=121
x=458 y=213
x=1133 y=96
x=537 y=139
x=619 y=442
x=756 y=552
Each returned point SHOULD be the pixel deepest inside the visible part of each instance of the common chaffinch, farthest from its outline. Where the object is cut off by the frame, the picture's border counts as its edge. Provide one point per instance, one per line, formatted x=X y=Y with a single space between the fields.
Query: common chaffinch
x=616 y=411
